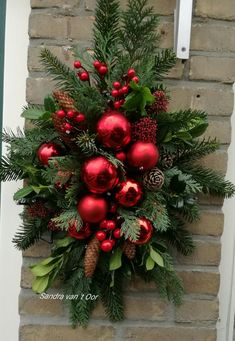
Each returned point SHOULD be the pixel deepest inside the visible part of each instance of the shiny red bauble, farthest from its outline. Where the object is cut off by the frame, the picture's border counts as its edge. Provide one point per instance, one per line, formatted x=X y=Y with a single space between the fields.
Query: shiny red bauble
x=46 y=151
x=128 y=193
x=92 y=208
x=143 y=155
x=100 y=235
x=146 y=231
x=83 y=233
x=107 y=245
x=99 y=174
x=114 y=130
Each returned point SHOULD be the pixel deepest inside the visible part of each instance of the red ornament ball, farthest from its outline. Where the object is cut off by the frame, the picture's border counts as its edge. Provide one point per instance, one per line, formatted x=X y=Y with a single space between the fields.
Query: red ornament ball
x=103 y=70
x=114 y=130
x=99 y=174
x=128 y=193
x=146 y=231
x=107 y=245
x=143 y=155
x=77 y=64
x=92 y=208
x=83 y=233
x=46 y=151
x=121 y=156
x=117 y=233
x=100 y=235
x=84 y=76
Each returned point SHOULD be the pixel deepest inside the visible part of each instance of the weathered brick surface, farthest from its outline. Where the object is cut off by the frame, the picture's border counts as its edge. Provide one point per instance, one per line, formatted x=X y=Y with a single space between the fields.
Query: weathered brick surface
x=81 y=29
x=48 y=26
x=54 y=3
x=62 y=333
x=200 y=281
x=41 y=249
x=211 y=223
x=216 y=9
x=37 y=89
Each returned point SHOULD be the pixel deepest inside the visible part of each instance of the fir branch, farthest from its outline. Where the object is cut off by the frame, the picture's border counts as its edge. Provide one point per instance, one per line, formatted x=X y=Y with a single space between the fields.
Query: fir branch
x=164 y=62
x=67 y=218
x=130 y=227
x=190 y=212
x=28 y=234
x=87 y=144
x=9 y=170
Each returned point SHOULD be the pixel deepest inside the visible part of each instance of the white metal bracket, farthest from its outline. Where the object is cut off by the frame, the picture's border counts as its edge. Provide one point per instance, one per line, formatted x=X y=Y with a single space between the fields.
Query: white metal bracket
x=182 y=28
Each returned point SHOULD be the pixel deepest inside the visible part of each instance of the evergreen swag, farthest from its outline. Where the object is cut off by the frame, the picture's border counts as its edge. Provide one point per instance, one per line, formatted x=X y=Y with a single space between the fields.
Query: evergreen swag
x=96 y=252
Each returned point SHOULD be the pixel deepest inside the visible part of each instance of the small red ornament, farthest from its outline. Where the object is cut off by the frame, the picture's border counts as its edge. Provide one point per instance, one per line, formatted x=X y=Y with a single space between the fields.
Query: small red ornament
x=117 y=104
x=100 y=235
x=92 y=208
x=46 y=151
x=114 y=130
x=84 y=76
x=128 y=193
x=80 y=118
x=99 y=174
x=83 y=233
x=146 y=231
x=106 y=245
x=70 y=114
x=77 y=64
x=117 y=85
x=115 y=93
x=143 y=155
x=60 y=114
x=117 y=233
x=103 y=70
x=136 y=79
x=131 y=73
x=97 y=64
x=121 y=156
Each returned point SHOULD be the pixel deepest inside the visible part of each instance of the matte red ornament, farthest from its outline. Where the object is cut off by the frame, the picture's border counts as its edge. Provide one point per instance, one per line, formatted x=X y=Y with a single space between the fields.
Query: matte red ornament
x=99 y=174
x=46 y=151
x=121 y=156
x=100 y=235
x=114 y=130
x=83 y=233
x=84 y=76
x=107 y=245
x=92 y=208
x=128 y=193
x=146 y=231
x=143 y=155
x=77 y=64
x=117 y=233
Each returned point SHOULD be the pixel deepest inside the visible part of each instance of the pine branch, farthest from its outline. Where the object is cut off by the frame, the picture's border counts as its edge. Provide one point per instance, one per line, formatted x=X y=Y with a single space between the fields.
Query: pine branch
x=165 y=61
x=130 y=227
x=10 y=171
x=68 y=218
x=28 y=234
x=190 y=212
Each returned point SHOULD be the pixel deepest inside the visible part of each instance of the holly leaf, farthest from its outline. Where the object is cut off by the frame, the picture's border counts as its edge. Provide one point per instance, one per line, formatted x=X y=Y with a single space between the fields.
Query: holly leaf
x=156 y=257
x=23 y=192
x=115 y=260
x=150 y=263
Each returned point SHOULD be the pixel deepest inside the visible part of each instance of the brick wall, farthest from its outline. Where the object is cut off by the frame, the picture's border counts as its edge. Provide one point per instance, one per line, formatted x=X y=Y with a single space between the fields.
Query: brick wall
x=203 y=82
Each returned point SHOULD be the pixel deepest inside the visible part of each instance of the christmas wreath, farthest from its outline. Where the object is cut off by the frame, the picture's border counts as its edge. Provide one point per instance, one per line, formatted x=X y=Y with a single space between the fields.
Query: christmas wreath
x=110 y=175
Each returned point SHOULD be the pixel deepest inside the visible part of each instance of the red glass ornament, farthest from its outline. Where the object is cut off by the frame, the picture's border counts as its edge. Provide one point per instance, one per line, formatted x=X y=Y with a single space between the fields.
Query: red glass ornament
x=103 y=70
x=60 y=114
x=100 y=235
x=146 y=231
x=115 y=93
x=121 y=156
x=70 y=114
x=117 y=233
x=136 y=79
x=128 y=193
x=117 y=85
x=143 y=155
x=92 y=208
x=77 y=64
x=47 y=151
x=106 y=245
x=84 y=76
x=114 y=130
x=97 y=64
x=80 y=118
x=131 y=73
x=83 y=233
x=99 y=174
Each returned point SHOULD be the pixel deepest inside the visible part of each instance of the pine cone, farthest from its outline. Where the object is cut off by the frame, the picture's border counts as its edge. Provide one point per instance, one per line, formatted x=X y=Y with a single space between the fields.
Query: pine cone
x=153 y=179
x=144 y=130
x=129 y=249
x=91 y=257
x=38 y=210
x=64 y=100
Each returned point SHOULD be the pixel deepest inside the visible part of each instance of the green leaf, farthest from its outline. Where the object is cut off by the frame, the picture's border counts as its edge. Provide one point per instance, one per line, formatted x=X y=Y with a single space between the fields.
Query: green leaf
x=49 y=104
x=33 y=113
x=183 y=135
x=149 y=98
x=64 y=242
x=156 y=257
x=38 y=189
x=40 y=270
x=40 y=284
x=23 y=192
x=199 y=130
x=49 y=260
x=115 y=260
x=149 y=263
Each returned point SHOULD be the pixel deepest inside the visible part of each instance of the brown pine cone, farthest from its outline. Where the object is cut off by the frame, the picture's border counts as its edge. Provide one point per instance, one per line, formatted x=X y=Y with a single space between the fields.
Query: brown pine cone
x=91 y=257
x=64 y=100
x=129 y=249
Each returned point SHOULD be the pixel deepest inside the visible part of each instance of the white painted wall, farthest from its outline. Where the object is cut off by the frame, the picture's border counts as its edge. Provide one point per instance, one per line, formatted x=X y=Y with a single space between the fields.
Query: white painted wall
x=227 y=266
x=16 y=43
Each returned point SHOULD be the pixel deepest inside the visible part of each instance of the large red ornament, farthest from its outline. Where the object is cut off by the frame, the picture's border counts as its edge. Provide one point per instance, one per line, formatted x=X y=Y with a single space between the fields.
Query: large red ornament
x=146 y=231
x=46 y=151
x=129 y=193
x=83 y=233
x=143 y=155
x=92 y=208
x=114 y=130
x=99 y=174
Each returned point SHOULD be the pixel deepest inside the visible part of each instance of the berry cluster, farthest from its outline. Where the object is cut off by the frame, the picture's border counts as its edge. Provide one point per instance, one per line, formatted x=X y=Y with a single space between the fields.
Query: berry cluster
x=70 y=118
x=84 y=76
x=108 y=227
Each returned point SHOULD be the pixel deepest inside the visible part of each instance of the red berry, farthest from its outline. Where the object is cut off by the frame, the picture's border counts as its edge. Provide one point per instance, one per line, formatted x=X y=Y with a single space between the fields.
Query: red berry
x=60 y=114
x=122 y=101
x=113 y=241
x=77 y=64
x=121 y=156
x=131 y=73
x=136 y=79
x=117 y=85
x=68 y=127
x=106 y=245
x=84 y=76
x=70 y=114
x=97 y=64
x=80 y=118
x=100 y=235
x=113 y=208
x=103 y=70
x=115 y=93
x=103 y=224
x=117 y=104
x=111 y=224
x=117 y=233
x=125 y=90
